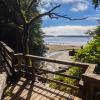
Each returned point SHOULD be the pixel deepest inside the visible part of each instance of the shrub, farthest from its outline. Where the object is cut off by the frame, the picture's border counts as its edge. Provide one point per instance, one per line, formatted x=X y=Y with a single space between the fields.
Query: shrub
x=90 y=53
x=73 y=71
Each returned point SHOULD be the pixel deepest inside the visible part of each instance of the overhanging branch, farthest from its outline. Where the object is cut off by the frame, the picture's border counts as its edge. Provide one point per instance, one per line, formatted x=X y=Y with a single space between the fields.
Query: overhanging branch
x=44 y=14
x=20 y=12
x=51 y=14
x=30 y=5
x=55 y=15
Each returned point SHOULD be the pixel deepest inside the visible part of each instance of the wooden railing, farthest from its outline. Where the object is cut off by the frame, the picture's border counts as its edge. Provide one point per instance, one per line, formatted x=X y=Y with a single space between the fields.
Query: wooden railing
x=89 y=85
x=6 y=65
x=22 y=58
x=6 y=58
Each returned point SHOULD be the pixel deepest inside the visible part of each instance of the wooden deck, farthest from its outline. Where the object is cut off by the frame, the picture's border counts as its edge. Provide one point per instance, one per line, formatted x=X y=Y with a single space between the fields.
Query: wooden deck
x=26 y=90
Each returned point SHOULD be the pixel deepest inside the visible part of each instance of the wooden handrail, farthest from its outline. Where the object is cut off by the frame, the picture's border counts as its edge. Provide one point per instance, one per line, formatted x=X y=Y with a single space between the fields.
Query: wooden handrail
x=84 y=65
x=64 y=75
x=6 y=48
x=58 y=82
x=7 y=54
x=47 y=71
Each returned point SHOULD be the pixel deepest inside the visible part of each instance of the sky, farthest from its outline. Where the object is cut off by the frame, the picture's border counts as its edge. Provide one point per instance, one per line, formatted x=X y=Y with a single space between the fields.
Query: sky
x=73 y=9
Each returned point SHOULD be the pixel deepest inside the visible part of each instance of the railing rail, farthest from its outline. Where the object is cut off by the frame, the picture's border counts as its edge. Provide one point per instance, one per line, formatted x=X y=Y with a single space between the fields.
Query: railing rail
x=84 y=65
x=7 y=55
x=6 y=65
x=48 y=71
x=58 y=82
x=57 y=73
x=6 y=48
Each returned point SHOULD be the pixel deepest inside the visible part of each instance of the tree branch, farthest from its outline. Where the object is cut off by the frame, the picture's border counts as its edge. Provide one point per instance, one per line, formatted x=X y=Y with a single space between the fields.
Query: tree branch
x=55 y=15
x=19 y=8
x=44 y=14
x=51 y=14
x=98 y=21
x=30 y=5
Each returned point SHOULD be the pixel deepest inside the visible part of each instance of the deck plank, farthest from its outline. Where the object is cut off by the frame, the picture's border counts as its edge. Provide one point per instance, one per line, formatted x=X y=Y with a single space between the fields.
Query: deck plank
x=26 y=90
x=3 y=78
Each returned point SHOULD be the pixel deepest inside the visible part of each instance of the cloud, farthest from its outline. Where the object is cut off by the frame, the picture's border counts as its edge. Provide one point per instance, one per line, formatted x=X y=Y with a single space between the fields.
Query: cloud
x=42 y=10
x=77 y=5
x=67 y=30
x=94 y=18
x=61 y=1
x=81 y=6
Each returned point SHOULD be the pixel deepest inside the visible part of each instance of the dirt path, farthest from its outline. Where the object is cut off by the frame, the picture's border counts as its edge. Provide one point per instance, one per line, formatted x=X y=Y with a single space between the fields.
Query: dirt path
x=62 y=55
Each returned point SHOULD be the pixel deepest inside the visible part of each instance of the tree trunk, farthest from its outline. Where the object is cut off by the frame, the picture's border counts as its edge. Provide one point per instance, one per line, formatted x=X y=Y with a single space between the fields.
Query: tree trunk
x=26 y=40
x=26 y=48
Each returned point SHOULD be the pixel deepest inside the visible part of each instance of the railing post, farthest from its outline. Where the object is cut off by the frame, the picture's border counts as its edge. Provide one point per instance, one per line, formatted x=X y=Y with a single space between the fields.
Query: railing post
x=27 y=74
x=80 y=93
x=88 y=89
x=91 y=84
x=13 y=62
x=33 y=69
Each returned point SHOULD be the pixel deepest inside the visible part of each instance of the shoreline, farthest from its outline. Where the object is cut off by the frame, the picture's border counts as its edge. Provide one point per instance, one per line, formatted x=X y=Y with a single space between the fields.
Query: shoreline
x=55 y=47
x=59 y=52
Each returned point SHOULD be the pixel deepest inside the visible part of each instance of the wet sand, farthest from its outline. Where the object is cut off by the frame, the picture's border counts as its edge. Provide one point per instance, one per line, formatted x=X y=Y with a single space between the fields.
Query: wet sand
x=54 y=48
x=62 y=55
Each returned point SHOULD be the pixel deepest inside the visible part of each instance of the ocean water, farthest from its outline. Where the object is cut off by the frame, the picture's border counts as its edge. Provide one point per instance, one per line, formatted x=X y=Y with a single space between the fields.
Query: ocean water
x=67 y=40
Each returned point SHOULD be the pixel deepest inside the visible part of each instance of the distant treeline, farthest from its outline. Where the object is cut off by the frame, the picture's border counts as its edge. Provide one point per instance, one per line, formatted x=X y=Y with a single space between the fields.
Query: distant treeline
x=68 y=36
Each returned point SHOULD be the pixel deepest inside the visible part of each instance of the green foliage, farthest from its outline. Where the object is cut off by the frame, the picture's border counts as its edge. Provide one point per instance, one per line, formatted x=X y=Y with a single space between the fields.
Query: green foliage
x=36 y=43
x=94 y=33
x=15 y=27
x=96 y=3
x=90 y=53
x=73 y=71
x=97 y=31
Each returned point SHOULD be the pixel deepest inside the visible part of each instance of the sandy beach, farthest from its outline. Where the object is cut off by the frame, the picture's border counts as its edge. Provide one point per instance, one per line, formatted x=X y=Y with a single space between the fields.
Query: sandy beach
x=61 y=52
x=54 y=48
